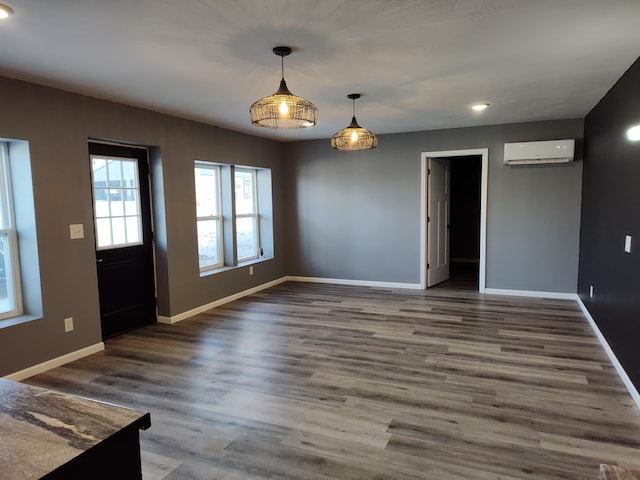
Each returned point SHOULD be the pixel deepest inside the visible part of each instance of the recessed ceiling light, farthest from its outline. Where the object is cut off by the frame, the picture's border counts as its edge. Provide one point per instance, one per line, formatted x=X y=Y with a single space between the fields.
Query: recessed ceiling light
x=633 y=133
x=5 y=11
x=478 y=107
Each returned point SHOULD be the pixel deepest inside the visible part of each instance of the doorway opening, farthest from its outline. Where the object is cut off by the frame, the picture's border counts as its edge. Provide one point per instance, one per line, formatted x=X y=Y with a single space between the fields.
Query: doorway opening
x=454 y=216
x=464 y=231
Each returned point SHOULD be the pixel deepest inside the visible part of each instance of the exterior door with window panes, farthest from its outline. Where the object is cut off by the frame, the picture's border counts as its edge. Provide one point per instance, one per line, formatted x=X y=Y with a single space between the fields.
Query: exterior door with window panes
x=247 y=233
x=124 y=246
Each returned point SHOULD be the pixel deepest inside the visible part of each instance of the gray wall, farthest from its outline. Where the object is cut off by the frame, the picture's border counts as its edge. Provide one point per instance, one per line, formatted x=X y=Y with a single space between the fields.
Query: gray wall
x=356 y=215
x=337 y=215
x=57 y=126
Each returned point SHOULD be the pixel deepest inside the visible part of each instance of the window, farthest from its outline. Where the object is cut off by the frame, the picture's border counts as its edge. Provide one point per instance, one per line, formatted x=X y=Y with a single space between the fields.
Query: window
x=10 y=295
x=247 y=231
x=116 y=199
x=208 y=216
x=234 y=215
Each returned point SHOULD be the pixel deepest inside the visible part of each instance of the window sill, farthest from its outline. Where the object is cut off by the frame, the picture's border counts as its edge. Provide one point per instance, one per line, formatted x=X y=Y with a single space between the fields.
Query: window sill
x=13 y=321
x=248 y=263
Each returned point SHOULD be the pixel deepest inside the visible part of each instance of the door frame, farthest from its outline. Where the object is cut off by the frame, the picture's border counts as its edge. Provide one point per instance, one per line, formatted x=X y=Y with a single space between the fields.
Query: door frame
x=484 y=153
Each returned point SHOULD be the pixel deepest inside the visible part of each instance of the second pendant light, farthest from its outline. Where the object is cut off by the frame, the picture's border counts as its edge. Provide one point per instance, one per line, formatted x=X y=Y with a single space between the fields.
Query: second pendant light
x=354 y=137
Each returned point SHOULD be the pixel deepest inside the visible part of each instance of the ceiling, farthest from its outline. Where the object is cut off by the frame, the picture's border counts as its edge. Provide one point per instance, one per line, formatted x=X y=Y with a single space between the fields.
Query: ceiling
x=419 y=64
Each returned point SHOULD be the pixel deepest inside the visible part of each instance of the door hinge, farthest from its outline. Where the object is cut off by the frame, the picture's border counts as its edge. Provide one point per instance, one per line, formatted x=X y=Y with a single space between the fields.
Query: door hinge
x=428 y=266
x=428 y=219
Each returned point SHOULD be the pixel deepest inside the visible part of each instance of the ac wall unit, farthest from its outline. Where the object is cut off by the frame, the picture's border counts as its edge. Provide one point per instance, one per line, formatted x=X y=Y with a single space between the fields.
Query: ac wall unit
x=535 y=153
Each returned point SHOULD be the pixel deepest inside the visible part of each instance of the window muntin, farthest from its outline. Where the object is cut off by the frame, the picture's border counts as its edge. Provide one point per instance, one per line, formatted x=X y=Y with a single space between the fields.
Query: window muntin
x=208 y=216
x=10 y=294
x=246 y=203
x=116 y=202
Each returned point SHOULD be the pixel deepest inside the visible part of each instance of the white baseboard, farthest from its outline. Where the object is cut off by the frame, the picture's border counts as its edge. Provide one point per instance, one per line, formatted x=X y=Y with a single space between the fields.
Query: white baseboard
x=203 y=308
x=612 y=356
x=356 y=283
x=55 y=362
x=530 y=293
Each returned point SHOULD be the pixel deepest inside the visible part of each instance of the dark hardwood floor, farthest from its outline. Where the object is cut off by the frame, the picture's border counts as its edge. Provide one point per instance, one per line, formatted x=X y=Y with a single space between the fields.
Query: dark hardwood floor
x=309 y=381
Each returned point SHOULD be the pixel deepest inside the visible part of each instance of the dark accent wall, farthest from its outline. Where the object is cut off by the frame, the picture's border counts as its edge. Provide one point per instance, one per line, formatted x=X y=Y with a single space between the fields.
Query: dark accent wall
x=611 y=210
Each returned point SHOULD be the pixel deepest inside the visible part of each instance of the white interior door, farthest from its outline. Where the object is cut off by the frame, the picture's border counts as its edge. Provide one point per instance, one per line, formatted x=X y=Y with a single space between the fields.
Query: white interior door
x=438 y=220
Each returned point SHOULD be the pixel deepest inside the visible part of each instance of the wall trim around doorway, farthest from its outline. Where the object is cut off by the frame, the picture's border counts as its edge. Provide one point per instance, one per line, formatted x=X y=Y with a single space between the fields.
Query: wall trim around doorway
x=484 y=175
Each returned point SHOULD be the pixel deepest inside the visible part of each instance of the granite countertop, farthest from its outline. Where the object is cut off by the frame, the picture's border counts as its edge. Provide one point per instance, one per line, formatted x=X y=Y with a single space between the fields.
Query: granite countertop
x=612 y=472
x=41 y=429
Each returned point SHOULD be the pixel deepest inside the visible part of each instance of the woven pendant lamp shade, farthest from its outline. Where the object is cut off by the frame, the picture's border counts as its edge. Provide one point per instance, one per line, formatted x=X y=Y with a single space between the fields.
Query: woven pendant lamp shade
x=354 y=137
x=283 y=110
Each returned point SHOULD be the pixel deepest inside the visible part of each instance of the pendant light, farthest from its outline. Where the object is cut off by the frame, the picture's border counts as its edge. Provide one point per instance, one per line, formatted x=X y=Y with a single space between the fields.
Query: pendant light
x=354 y=137
x=5 y=11
x=283 y=110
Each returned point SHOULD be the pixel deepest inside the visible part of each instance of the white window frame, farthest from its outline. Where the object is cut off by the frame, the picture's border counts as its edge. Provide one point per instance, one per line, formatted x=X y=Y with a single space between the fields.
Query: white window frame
x=124 y=215
x=11 y=258
x=218 y=218
x=255 y=215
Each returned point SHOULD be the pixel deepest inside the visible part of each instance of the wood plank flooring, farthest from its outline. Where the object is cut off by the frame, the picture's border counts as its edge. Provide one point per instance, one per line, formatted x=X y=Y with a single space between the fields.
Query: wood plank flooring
x=309 y=381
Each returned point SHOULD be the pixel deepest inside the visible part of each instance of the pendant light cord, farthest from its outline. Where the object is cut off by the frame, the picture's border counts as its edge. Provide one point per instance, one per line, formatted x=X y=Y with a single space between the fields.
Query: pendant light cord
x=282 y=64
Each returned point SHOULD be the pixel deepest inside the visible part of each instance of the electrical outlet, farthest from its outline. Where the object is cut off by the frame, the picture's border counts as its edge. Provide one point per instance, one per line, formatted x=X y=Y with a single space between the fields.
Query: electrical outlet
x=591 y=291
x=251 y=270
x=68 y=324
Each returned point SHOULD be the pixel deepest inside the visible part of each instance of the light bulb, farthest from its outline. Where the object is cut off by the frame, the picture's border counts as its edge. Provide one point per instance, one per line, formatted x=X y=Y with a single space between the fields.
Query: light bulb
x=354 y=137
x=283 y=108
x=5 y=11
x=633 y=133
x=480 y=106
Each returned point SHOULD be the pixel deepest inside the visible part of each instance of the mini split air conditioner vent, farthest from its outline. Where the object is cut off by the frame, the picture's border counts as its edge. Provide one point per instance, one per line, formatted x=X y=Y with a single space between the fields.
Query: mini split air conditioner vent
x=535 y=153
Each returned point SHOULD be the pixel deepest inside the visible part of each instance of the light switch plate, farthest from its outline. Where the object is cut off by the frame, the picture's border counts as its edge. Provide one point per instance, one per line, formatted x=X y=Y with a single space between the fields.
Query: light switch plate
x=76 y=230
x=627 y=244
x=68 y=324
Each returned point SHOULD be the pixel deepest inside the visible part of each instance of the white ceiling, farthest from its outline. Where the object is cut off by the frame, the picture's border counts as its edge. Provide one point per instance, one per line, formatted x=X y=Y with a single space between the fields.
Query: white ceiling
x=419 y=64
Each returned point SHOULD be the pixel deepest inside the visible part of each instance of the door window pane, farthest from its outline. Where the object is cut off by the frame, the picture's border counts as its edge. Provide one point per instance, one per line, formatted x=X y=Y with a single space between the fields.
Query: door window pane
x=133 y=229
x=114 y=173
x=118 y=218
x=118 y=232
x=131 y=207
x=103 y=232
